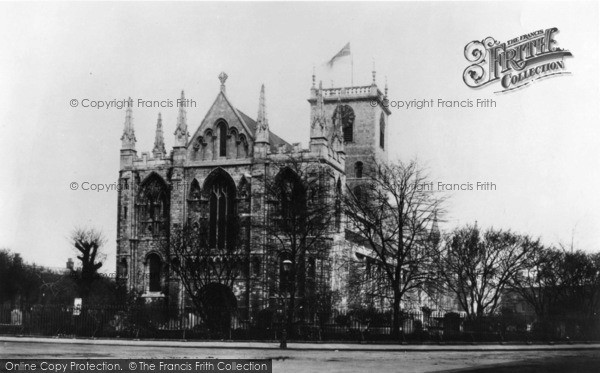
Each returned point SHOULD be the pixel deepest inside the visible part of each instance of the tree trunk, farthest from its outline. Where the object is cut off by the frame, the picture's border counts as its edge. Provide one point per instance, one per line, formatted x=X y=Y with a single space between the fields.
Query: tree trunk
x=291 y=304
x=396 y=316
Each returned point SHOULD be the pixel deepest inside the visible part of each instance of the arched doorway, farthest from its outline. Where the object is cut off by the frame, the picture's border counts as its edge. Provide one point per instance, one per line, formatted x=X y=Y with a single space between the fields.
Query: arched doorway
x=219 y=305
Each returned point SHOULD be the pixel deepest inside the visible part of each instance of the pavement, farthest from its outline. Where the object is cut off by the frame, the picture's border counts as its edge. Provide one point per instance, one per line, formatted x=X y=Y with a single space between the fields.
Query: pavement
x=305 y=346
x=325 y=357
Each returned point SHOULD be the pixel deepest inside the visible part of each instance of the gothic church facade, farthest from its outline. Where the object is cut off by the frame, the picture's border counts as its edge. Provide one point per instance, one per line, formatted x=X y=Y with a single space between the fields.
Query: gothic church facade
x=216 y=175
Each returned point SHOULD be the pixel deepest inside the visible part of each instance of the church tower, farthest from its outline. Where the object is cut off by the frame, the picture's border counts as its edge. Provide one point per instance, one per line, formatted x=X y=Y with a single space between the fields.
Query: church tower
x=363 y=114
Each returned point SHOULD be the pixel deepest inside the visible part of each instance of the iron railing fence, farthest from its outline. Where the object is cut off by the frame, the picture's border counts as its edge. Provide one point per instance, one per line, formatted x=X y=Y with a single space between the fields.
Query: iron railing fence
x=161 y=322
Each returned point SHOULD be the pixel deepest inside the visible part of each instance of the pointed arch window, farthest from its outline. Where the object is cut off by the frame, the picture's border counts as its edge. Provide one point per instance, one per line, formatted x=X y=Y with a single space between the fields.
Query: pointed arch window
x=347 y=115
x=292 y=198
x=244 y=188
x=243 y=144
x=195 y=204
x=153 y=206
x=358 y=170
x=222 y=139
x=221 y=222
x=195 y=191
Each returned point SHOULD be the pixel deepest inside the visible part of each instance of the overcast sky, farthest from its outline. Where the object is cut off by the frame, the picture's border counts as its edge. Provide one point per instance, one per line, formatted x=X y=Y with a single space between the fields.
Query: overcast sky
x=540 y=145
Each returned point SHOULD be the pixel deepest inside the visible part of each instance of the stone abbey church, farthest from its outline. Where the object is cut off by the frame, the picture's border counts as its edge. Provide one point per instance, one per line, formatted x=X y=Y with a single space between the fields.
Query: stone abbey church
x=215 y=177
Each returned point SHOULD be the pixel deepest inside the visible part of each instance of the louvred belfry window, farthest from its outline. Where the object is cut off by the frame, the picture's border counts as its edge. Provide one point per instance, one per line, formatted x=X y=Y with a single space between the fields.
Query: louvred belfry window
x=348 y=117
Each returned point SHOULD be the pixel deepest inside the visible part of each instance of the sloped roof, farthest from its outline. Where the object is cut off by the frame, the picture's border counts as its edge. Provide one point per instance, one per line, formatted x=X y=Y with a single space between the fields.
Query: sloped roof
x=274 y=140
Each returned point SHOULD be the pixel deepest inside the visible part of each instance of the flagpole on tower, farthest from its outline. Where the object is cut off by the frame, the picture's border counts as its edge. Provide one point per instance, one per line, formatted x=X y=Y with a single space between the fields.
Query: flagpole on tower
x=351 y=70
x=344 y=52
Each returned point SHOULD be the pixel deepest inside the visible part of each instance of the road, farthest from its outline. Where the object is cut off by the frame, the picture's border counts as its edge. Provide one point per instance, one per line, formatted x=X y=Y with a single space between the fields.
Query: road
x=291 y=361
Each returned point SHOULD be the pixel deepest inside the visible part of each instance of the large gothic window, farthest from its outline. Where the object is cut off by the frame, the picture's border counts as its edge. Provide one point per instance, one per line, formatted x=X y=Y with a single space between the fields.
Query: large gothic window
x=221 y=222
x=382 y=131
x=347 y=115
x=222 y=139
x=153 y=207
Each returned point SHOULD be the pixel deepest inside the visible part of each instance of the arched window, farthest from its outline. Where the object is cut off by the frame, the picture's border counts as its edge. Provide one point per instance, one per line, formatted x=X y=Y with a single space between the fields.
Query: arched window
x=222 y=139
x=244 y=188
x=194 y=202
x=348 y=133
x=221 y=221
x=291 y=198
x=195 y=191
x=358 y=170
x=243 y=144
x=154 y=272
x=382 y=131
x=153 y=206
x=347 y=115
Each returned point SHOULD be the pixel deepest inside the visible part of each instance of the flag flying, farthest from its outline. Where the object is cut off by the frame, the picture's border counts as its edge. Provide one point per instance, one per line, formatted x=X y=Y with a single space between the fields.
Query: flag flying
x=342 y=53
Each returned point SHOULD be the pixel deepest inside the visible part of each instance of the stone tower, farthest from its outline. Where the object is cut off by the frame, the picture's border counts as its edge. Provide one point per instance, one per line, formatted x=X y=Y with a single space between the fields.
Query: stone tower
x=364 y=120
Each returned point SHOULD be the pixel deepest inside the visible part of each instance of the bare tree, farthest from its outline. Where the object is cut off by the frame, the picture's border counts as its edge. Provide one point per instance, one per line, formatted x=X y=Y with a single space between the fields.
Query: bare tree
x=562 y=285
x=206 y=272
x=392 y=212
x=539 y=281
x=301 y=213
x=87 y=243
x=478 y=268
x=579 y=285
